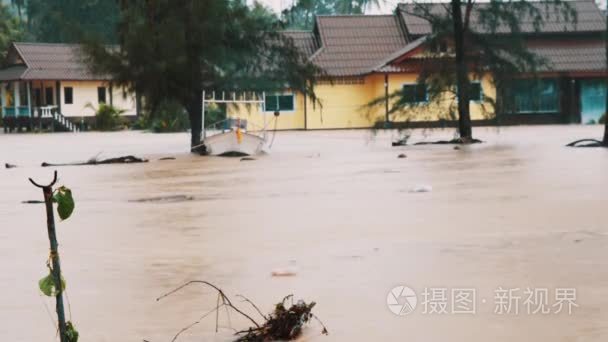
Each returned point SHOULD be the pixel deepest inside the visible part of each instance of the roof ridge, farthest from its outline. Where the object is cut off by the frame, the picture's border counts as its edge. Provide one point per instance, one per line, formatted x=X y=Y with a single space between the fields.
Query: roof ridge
x=352 y=15
x=47 y=44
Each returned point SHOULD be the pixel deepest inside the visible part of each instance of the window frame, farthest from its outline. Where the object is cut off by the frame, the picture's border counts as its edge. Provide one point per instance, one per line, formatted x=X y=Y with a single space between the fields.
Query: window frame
x=49 y=91
x=426 y=92
x=65 y=97
x=277 y=95
x=105 y=95
x=516 y=111
x=481 y=94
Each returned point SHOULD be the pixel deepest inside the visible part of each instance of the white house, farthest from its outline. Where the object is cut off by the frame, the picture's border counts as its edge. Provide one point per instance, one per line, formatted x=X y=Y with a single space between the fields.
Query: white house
x=50 y=84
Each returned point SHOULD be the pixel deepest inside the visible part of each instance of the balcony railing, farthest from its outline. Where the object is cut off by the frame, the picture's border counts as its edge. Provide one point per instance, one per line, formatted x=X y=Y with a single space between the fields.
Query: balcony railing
x=17 y=111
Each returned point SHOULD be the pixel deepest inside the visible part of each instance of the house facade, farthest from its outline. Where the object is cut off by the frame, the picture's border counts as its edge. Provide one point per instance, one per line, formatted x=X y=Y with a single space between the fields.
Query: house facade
x=50 y=85
x=368 y=57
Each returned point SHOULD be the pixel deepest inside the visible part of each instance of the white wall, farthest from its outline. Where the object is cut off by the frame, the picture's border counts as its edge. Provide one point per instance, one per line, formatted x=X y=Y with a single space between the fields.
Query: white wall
x=85 y=92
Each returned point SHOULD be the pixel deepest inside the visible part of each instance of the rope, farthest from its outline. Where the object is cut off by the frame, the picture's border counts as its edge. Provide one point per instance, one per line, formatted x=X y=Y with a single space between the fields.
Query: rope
x=274 y=132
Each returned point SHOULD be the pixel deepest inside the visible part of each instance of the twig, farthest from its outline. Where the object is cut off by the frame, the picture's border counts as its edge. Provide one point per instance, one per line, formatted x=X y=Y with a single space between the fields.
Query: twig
x=227 y=300
x=323 y=325
x=245 y=299
x=195 y=323
x=45 y=186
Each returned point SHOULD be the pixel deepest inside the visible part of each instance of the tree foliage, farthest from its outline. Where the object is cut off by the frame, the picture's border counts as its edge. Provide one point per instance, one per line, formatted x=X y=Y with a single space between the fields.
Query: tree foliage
x=301 y=14
x=487 y=39
x=67 y=21
x=10 y=30
x=171 y=50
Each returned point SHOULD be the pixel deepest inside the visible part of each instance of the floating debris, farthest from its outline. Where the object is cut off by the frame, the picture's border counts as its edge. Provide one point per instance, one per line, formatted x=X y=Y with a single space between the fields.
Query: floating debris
x=10 y=166
x=247 y=159
x=164 y=199
x=167 y=158
x=421 y=188
x=284 y=272
x=32 y=202
x=401 y=156
x=95 y=161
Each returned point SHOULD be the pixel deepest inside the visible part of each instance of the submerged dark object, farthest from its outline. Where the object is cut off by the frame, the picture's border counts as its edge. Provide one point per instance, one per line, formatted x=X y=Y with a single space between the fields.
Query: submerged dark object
x=458 y=141
x=164 y=199
x=233 y=154
x=119 y=160
x=589 y=143
x=32 y=202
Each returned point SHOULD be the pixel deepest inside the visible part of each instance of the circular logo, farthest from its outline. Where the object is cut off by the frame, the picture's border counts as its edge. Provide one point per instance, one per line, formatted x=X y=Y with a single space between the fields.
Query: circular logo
x=401 y=300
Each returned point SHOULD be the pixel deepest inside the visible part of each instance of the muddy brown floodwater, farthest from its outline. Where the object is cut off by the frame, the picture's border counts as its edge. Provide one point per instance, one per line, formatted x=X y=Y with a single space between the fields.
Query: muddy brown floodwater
x=335 y=207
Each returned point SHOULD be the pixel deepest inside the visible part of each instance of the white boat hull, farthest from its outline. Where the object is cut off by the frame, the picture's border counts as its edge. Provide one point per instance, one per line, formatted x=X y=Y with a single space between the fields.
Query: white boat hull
x=229 y=143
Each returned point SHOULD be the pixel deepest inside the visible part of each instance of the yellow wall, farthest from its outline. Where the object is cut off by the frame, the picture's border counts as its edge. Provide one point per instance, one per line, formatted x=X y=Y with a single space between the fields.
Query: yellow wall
x=344 y=105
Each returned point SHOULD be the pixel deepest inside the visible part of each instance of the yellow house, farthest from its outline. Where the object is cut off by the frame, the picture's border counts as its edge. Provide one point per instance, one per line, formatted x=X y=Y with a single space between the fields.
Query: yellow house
x=49 y=84
x=368 y=57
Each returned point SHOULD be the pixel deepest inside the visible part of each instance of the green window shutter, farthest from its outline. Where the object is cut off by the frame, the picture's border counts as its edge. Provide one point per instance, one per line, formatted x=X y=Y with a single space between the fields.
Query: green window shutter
x=286 y=103
x=272 y=103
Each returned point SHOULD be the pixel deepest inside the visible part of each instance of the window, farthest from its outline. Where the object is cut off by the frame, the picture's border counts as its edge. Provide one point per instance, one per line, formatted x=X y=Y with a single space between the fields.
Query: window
x=414 y=93
x=38 y=97
x=101 y=95
x=48 y=96
x=475 y=92
x=68 y=95
x=536 y=96
x=280 y=103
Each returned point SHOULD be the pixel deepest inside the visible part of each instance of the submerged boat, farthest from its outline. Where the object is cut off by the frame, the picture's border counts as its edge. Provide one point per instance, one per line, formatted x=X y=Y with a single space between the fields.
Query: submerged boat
x=233 y=139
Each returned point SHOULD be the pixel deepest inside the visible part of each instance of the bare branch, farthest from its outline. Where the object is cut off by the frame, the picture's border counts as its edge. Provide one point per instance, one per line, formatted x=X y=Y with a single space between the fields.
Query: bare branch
x=223 y=296
x=245 y=299
x=45 y=186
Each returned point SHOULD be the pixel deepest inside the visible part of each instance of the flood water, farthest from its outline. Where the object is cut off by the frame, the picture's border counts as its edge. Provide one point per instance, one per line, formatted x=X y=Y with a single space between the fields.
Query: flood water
x=335 y=207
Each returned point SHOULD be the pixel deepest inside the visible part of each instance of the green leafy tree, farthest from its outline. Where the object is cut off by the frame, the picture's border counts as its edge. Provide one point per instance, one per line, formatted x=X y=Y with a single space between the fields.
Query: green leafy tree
x=68 y=21
x=19 y=4
x=171 y=50
x=301 y=15
x=494 y=45
x=10 y=30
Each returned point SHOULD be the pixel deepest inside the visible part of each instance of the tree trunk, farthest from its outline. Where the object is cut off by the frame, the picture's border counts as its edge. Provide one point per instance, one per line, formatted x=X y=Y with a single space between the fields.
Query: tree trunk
x=462 y=78
x=605 y=140
x=195 y=112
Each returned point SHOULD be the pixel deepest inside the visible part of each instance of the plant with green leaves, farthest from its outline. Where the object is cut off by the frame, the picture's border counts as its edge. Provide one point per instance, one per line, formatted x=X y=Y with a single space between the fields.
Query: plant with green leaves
x=107 y=117
x=54 y=284
x=172 y=50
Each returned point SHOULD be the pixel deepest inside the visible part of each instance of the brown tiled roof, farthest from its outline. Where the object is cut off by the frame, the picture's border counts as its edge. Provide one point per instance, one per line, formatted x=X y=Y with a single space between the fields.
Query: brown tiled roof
x=12 y=73
x=355 y=44
x=582 y=57
x=52 y=62
x=384 y=65
x=589 y=18
x=305 y=41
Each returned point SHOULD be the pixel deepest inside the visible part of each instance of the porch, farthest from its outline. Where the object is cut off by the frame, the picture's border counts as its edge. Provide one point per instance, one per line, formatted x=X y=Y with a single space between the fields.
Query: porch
x=33 y=104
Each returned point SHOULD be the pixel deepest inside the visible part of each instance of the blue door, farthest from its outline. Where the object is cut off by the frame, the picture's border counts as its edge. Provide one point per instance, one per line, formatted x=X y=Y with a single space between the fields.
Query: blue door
x=593 y=100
